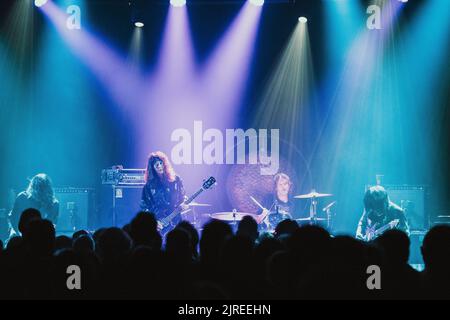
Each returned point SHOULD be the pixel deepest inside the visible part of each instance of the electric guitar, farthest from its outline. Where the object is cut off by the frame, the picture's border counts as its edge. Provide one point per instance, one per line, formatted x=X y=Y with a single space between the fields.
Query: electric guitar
x=167 y=224
x=372 y=233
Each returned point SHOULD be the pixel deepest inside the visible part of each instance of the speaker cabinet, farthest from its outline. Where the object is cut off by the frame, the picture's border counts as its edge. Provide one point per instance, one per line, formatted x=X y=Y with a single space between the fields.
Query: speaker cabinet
x=76 y=208
x=412 y=199
x=120 y=204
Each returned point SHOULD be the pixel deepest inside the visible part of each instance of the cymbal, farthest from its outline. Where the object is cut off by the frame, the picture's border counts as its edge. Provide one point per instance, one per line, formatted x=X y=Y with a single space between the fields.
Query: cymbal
x=231 y=216
x=311 y=219
x=313 y=194
x=196 y=204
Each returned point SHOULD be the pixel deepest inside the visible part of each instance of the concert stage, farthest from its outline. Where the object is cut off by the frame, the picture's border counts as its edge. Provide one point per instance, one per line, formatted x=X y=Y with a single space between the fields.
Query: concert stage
x=282 y=115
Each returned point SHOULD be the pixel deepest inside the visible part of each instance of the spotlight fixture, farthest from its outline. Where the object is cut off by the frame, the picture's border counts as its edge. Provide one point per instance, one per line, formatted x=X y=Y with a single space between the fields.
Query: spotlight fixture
x=138 y=9
x=404 y=1
x=257 y=3
x=178 y=3
x=40 y=3
x=302 y=20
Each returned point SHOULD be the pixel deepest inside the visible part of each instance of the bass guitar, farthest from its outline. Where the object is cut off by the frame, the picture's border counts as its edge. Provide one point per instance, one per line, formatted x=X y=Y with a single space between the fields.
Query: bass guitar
x=167 y=224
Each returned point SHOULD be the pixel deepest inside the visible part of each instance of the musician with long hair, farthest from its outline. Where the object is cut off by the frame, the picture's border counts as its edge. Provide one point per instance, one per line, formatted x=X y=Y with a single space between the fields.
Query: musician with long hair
x=379 y=213
x=38 y=195
x=163 y=190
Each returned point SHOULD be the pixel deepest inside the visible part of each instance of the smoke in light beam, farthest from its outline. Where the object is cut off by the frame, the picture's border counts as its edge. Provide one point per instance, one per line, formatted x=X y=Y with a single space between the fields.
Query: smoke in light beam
x=228 y=68
x=111 y=70
x=135 y=51
x=359 y=123
x=176 y=57
x=289 y=94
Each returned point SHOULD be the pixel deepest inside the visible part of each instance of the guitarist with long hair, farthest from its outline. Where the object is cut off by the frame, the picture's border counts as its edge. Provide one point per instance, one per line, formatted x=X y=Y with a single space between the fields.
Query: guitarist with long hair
x=39 y=195
x=380 y=214
x=163 y=190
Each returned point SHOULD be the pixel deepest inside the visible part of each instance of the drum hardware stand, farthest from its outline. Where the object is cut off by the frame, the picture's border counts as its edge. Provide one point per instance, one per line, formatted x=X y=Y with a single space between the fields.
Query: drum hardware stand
x=114 y=218
x=194 y=216
x=313 y=195
x=313 y=209
x=234 y=220
x=72 y=207
x=327 y=209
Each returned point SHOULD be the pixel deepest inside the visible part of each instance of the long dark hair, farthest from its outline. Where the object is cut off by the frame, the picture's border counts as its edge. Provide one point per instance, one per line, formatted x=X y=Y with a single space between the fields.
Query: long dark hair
x=40 y=189
x=169 y=172
x=376 y=199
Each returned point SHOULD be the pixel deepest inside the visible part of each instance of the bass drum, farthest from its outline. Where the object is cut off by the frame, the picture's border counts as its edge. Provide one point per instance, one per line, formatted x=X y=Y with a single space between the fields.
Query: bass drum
x=272 y=220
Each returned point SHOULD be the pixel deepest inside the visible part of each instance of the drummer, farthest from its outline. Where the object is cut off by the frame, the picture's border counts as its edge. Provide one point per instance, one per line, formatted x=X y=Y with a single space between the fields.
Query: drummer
x=279 y=204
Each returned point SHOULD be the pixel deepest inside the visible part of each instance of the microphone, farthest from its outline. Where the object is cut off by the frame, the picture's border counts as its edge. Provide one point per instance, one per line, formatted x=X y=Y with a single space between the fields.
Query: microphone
x=329 y=206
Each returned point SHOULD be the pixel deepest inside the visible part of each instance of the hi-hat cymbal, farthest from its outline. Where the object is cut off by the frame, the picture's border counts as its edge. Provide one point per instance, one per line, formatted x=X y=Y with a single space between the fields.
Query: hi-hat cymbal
x=313 y=194
x=231 y=216
x=311 y=219
x=196 y=204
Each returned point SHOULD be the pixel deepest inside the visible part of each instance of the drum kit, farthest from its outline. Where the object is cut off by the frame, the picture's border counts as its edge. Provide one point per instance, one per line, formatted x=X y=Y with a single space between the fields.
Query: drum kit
x=313 y=196
x=233 y=217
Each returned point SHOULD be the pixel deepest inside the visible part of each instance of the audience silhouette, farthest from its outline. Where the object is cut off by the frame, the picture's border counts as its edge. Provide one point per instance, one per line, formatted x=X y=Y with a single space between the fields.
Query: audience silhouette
x=293 y=263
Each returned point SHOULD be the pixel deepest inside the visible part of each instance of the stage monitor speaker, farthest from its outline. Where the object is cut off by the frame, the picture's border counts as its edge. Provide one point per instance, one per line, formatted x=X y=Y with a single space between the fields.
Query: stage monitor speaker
x=75 y=209
x=412 y=199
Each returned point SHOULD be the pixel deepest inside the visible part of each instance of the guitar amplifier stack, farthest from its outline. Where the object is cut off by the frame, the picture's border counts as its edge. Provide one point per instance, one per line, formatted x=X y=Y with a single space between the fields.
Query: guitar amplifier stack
x=121 y=195
x=413 y=200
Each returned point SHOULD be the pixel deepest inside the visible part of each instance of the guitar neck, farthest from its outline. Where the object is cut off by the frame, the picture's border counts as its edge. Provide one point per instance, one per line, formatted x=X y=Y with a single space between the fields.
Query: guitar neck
x=188 y=201
x=195 y=195
x=382 y=229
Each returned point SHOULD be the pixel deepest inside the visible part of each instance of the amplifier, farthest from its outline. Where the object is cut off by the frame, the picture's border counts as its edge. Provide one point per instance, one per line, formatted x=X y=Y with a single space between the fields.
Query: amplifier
x=123 y=177
x=441 y=219
x=412 y=199
x=119 y=204
x=76 y=208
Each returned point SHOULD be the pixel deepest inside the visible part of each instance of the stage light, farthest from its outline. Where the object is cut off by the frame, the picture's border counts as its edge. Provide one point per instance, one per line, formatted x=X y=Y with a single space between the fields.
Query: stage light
x=257 y=3
x=303 y=20
x=139 y=24
x=40 y=3
x=404 y=1
x=178 y=3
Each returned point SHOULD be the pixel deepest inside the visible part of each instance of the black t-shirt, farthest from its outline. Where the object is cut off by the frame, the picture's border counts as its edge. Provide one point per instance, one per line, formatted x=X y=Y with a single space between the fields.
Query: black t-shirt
x=278 y=211
x=273 y=204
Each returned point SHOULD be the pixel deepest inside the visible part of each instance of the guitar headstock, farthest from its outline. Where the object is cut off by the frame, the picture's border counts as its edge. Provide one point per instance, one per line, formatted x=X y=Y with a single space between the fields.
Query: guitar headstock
x=394 y=223
x=209 y=183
